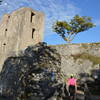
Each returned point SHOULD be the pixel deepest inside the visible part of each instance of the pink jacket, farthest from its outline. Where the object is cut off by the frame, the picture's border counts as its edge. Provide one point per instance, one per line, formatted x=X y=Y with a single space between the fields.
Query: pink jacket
x=72 y=81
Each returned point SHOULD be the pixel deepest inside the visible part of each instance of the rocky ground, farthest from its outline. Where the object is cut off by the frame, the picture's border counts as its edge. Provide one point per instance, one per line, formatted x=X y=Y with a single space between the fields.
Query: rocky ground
x=36 y=75
x=32 y=74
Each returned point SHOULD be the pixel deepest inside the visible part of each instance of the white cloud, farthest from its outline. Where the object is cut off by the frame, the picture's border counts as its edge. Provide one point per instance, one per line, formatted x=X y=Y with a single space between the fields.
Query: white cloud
x=54 y=9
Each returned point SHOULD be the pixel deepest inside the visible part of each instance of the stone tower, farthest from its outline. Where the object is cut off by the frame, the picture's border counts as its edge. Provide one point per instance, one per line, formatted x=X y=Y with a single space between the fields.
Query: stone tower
x=18 y=30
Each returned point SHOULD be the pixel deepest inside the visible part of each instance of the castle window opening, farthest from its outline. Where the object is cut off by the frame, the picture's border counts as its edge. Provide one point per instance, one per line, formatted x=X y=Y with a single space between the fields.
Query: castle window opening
x=8 y=16
x=5 y=32
x=32 y=15
x=5 y=29
x=4 y=44
x=33 y=30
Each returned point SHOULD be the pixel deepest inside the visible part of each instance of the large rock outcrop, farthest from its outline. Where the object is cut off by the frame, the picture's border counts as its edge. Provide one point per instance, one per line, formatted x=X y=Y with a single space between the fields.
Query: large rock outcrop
x=30 y=75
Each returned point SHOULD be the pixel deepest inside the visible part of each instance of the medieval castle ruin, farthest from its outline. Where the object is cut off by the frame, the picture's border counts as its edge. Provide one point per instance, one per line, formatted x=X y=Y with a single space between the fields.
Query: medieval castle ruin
x=25 y=27
x=18 y=30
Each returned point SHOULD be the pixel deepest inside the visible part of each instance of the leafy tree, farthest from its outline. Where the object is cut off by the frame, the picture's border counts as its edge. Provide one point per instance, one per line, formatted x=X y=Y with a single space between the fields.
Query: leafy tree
x=68 y=30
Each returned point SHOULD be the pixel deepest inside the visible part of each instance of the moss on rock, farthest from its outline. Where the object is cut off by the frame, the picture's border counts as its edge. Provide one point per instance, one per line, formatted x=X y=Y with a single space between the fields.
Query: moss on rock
x=86 y=56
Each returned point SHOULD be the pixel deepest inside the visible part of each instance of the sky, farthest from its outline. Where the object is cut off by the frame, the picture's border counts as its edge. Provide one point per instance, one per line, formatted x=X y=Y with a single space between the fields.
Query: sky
x=62 y=10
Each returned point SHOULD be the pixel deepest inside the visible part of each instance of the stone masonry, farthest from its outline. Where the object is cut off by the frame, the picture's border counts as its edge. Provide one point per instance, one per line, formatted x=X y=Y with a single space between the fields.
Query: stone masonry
x=18 y=30
x=79 y=58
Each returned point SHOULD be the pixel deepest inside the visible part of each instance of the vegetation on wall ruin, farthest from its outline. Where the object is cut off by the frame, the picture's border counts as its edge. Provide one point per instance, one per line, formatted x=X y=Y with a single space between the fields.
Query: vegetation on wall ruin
x=86 y=56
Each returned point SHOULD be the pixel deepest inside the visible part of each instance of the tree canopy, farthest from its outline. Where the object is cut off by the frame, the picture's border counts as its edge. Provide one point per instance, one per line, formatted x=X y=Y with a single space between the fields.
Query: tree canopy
x=68 y=30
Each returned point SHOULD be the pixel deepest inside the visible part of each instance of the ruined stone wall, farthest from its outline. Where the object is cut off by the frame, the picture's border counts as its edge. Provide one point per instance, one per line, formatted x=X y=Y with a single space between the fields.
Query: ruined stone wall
x=18 y=30
x=79 y=58
x=25 y=27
